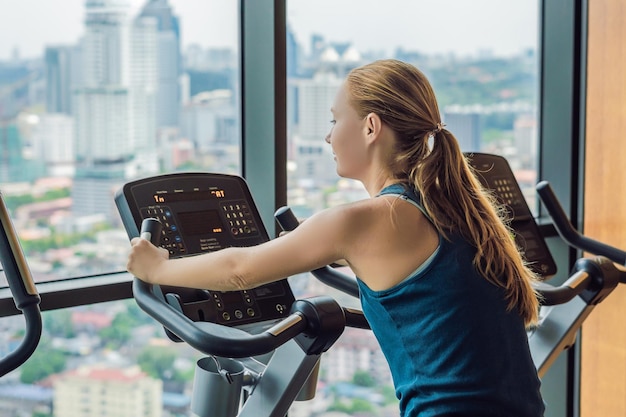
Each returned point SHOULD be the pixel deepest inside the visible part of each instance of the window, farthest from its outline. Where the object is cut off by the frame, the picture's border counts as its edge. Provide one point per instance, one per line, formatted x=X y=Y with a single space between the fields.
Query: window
x=104 y=93
x=484 y=69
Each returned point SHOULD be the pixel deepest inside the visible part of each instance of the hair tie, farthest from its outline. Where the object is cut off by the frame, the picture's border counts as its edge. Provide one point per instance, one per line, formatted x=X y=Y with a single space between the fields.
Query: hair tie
x=439 y=127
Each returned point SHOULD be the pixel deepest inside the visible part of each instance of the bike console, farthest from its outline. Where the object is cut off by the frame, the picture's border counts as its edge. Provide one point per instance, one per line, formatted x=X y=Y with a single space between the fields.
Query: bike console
x=205 y=212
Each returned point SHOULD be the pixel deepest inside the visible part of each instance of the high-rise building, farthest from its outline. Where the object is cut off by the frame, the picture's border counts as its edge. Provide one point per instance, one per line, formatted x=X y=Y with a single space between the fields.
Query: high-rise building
x=204 y=119
x=103 y=101
x=10 y=152
x=107 y=392
x=525 y=140
x=53 y=143
x=116 y=101
x=144 y=84
x=115 y=106
x=314 y=99
x=168 y=61
x=16 y=161
x=58 y=61
x=466 y=128
x=293 y=54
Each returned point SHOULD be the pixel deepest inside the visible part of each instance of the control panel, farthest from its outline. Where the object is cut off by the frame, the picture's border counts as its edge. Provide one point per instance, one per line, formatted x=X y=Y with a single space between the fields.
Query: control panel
x=200 y=213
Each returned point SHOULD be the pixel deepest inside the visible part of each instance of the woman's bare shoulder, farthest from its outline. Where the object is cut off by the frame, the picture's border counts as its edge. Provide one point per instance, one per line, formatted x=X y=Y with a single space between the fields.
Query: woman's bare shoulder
x=353 y=214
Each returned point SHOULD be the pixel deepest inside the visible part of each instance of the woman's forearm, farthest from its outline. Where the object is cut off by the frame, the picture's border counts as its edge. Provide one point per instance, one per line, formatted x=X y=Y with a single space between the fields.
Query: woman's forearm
x=217 y=271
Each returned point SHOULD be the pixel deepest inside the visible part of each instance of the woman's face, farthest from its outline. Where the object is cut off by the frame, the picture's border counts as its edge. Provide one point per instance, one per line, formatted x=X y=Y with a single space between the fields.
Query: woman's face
x=347 y=137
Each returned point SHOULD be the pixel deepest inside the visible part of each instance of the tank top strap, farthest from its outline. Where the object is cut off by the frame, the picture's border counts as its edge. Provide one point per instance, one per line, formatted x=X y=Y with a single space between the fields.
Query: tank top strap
x=407 y=193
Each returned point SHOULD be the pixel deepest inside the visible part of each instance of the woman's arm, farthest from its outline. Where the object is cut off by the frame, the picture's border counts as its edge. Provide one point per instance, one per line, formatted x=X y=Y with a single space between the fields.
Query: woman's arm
x=318 y=241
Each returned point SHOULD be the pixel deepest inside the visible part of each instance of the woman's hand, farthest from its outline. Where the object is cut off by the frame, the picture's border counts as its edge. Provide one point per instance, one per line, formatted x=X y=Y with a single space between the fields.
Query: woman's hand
x=145 y=259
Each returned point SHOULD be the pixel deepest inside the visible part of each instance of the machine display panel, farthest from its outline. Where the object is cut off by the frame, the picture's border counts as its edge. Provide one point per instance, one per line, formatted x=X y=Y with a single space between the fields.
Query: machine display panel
x=202 y=212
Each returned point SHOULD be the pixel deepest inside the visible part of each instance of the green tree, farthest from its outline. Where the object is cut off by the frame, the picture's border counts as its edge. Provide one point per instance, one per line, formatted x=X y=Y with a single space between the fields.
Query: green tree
x=59 y=323
x=119 y=332
x=363 y=379
x=158 y=362
x=360 y=405
x=45 y=361
x=136 y=314
x=357 y=405
x=389 y=394
x=340 y=406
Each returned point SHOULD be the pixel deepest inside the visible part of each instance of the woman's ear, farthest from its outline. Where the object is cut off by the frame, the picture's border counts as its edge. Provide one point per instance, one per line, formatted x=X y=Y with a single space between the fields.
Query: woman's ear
x=373 y=126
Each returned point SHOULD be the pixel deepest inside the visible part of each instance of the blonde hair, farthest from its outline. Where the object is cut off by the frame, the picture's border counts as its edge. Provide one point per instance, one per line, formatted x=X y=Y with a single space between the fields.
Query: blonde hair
x=429 y=157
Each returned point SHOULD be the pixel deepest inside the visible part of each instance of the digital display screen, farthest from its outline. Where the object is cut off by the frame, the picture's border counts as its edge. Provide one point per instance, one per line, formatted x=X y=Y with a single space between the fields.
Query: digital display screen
x=193 y=223
x=167 y=197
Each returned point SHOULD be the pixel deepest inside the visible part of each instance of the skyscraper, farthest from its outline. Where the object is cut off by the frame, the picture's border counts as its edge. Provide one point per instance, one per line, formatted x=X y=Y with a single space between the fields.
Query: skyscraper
x=115 y=105
x=168 y=61
x=314 y=99
x=15 y=164
x=103 y=101
x=61 y=76
x=53 y=143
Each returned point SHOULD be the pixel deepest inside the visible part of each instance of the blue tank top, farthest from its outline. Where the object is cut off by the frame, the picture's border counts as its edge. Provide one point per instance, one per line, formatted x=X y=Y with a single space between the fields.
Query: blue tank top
x=451 y=345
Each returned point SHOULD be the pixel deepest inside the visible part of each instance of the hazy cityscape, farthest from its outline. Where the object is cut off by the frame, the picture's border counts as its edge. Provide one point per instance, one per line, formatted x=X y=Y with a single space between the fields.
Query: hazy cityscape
x=128 y=101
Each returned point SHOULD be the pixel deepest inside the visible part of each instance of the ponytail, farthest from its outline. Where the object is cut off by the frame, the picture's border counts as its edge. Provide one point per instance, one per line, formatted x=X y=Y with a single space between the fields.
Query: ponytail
x=445 y=179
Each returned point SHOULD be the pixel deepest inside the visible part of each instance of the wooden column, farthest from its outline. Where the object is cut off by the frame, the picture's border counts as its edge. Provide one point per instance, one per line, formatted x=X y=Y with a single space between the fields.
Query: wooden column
x=603 y=368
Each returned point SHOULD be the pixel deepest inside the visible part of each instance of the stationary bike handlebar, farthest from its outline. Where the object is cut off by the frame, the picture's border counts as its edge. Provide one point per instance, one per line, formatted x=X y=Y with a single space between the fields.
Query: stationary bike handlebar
x=215 y=339
x=570 y=235
x=593 y=278
x=24 y=293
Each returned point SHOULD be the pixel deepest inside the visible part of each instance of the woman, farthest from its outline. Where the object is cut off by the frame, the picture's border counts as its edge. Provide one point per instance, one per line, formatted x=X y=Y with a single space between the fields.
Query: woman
x=442 y=284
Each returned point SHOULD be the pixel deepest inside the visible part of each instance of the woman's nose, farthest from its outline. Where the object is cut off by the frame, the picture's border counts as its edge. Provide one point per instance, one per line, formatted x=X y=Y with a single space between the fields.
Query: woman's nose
x=327 y=138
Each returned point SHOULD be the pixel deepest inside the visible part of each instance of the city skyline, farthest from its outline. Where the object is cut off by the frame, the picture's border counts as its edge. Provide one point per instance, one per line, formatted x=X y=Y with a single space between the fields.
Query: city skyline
x=430 y=26
x=110 y=135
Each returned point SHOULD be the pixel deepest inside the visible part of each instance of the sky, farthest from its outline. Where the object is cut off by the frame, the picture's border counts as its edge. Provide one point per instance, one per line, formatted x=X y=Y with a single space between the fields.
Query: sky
x=430 y=26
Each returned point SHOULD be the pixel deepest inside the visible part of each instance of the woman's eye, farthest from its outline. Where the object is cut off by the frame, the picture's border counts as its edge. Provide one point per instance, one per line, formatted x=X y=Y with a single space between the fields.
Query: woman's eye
x=332 y=122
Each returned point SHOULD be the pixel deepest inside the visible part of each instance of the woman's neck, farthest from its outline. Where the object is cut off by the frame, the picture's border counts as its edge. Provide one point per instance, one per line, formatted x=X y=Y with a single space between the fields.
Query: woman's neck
x=374 y=187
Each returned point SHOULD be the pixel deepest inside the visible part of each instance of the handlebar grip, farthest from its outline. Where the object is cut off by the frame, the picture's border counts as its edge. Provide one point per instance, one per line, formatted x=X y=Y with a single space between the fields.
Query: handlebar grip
x=286 y=219
x=569 y=234
x=151 y=230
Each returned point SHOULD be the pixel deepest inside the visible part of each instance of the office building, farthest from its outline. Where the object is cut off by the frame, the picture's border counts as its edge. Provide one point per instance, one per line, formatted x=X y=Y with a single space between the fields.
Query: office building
x=466 y=129
x=116 y=103
x=315 y=97
x=53 y=143
x=168 y=61
x=107 y=392
x=62 y=75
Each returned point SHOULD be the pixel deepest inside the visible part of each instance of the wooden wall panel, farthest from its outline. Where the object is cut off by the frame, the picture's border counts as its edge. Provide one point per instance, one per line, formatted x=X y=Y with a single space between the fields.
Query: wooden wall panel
x=603 y=342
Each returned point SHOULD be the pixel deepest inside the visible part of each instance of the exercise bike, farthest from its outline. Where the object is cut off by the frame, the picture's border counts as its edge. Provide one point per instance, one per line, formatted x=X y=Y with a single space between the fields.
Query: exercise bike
x=263 y=346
